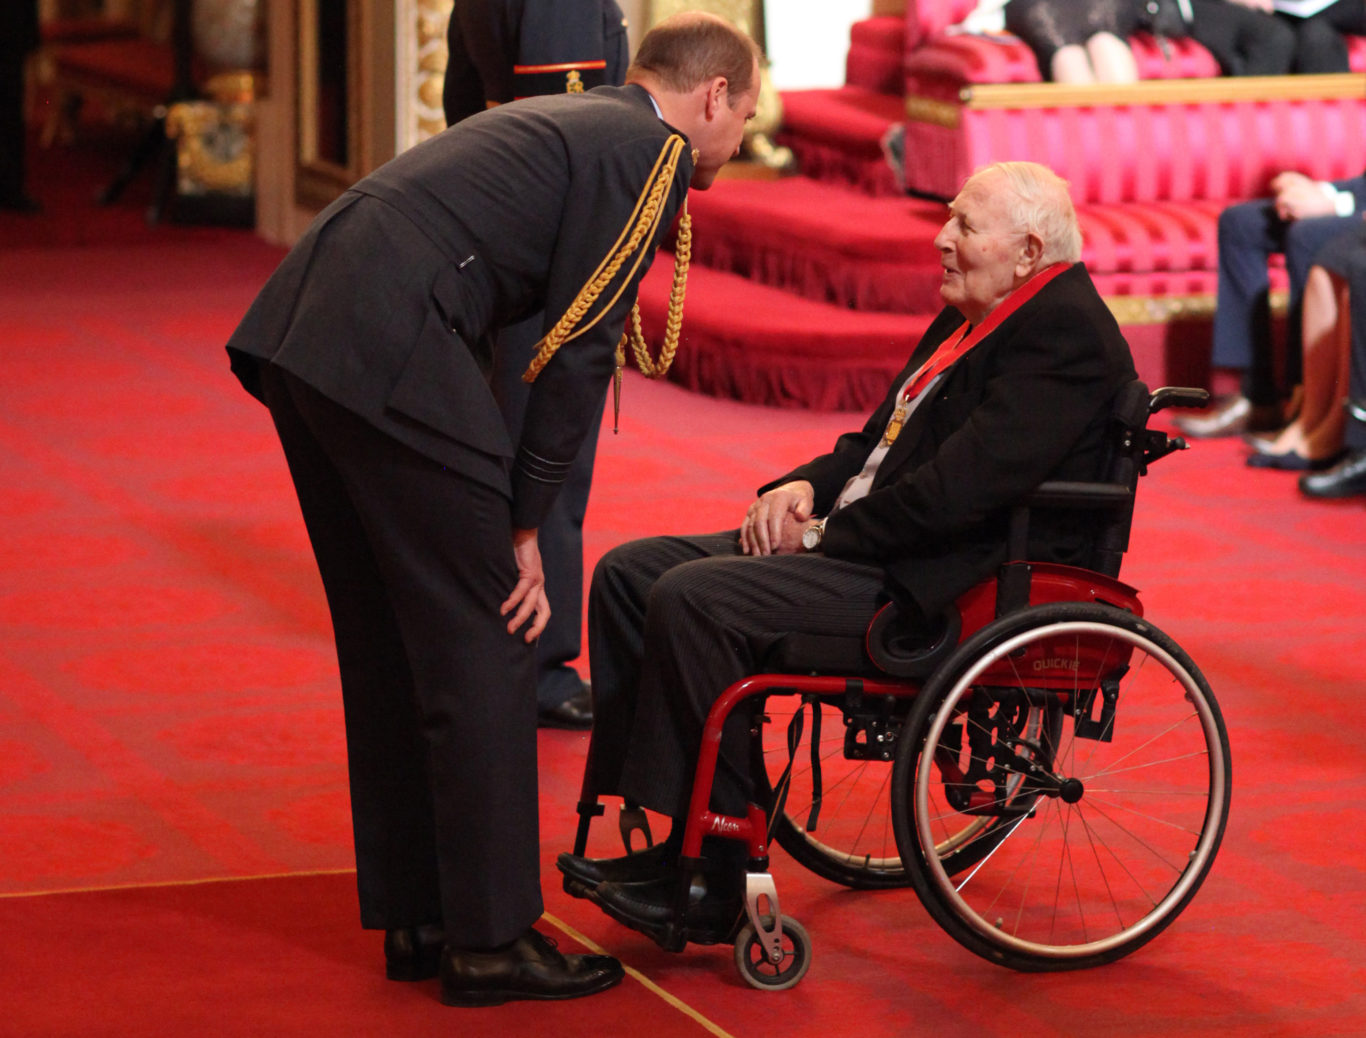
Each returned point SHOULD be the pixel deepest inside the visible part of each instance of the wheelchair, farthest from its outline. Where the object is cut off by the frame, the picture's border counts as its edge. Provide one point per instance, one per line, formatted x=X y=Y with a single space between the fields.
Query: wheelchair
x=1048 y=770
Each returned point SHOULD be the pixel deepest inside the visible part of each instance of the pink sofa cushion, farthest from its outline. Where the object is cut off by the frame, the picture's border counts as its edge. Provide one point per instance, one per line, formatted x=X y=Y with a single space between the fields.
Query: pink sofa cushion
x=945 y=64
x=933 y=52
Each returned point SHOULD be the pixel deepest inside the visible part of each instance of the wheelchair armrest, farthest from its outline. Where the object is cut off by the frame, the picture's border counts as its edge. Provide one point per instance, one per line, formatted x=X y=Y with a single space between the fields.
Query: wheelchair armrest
x=1064 y=494
x=1177 y=396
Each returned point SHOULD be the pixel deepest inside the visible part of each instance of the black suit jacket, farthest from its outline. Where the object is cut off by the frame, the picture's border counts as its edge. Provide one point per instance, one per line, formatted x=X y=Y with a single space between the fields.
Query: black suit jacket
x=388 y=303
x=500 y=50
x=1027 y=404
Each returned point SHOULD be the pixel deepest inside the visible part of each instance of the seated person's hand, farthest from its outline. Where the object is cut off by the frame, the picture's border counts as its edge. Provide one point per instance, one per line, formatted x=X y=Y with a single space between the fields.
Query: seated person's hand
x=1297 y=196
x=774 y=523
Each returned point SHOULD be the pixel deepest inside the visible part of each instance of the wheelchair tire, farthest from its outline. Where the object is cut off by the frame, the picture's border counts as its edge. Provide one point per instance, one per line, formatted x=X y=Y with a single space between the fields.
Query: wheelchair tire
x=1108 y=820
x=761 y=972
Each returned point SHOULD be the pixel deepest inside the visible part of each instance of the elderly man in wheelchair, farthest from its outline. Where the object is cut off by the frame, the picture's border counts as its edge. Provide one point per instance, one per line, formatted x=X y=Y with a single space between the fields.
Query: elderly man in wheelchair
x=1021 y=394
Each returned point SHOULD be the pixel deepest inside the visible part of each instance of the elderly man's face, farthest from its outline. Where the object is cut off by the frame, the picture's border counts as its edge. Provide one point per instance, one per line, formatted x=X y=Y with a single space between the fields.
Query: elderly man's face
x=980 y=248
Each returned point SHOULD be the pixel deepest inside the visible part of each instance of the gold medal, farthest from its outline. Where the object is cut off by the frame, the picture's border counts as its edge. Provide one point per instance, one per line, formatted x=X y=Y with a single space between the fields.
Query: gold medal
x=894 y=425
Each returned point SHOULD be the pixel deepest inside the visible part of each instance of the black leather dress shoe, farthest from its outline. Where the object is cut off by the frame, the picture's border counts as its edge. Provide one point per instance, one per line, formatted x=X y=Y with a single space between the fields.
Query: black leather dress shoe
x=712 y=917
x=575 y=713
x=414 y=952
x=531 y=968
x=650 y=864
x=1345 y=479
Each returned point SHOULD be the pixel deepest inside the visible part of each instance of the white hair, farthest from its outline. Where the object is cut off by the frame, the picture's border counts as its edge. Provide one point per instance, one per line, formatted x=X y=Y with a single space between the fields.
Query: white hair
x=1040 y=204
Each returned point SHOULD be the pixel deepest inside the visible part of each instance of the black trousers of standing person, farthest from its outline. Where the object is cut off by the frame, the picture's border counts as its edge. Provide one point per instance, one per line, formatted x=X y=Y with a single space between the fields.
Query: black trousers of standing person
x=673 y=621
x=560 y=535
x=438 y=697
x=12 y=128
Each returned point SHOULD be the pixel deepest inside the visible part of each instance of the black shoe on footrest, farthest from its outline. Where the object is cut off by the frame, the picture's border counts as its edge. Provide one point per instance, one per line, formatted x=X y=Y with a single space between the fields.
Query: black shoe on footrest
x=652 y=863
x=530 y=968
x=650 y=907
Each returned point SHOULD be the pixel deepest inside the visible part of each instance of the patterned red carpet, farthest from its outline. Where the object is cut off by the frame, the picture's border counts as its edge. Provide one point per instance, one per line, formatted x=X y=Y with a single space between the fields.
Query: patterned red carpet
x=169 y=714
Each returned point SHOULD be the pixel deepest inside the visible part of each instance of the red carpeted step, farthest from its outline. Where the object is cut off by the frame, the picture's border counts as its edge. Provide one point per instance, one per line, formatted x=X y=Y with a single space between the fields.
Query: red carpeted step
x=759 y=344
x=837 y=134
x=822 y=241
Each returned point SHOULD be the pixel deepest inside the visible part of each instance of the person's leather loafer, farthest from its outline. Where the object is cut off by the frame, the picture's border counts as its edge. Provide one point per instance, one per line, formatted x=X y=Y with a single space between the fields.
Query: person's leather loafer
x=575 y=713
x=531 y=968
x=1346 y=479
x=413 y=952
x=1235 y=415
x=1290 y=461
x=650 y=864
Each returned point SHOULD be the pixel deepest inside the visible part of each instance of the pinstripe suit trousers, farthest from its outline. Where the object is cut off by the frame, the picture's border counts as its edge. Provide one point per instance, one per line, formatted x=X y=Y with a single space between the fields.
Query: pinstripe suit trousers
x=672 y=621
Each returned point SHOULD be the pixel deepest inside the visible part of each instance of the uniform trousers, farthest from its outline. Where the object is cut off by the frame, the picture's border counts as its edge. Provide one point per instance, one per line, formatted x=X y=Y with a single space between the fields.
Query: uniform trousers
x=560 y=534
x=438 y=698
x=1249 y=234
x=673 y=621
x=12 y=127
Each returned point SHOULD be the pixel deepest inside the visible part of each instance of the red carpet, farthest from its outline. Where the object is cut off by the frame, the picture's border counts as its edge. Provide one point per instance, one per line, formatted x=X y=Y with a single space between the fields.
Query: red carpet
x=169 y=713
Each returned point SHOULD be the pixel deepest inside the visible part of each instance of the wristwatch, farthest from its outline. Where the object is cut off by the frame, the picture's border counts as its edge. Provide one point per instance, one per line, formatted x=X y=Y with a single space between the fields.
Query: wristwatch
x=811 y=536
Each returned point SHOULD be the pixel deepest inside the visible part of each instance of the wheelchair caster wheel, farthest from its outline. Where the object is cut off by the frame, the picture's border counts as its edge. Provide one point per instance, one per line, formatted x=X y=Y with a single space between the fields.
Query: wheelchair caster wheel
x=760 y=971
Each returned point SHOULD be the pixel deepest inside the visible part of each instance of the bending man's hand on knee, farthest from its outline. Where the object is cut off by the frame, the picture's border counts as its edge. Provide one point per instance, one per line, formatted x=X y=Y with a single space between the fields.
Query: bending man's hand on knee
x=768 y=525
x=527 y=600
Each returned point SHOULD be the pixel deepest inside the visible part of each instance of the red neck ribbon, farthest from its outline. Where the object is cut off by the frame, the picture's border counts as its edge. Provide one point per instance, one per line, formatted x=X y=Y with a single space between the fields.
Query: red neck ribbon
x=966 y=337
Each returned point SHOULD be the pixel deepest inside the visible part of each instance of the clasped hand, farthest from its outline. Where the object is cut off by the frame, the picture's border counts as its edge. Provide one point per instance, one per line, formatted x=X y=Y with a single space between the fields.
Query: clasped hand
x=774 y=524
x=1297 y=197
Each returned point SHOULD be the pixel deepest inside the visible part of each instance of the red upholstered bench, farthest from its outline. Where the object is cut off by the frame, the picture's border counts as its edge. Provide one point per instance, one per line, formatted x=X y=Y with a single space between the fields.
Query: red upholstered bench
x=1182 y=133
x=1151 y=164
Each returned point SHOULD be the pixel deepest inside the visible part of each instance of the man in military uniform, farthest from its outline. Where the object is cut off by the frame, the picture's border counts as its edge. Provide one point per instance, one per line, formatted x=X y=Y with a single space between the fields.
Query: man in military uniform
x=497 y=51
x=372 y=346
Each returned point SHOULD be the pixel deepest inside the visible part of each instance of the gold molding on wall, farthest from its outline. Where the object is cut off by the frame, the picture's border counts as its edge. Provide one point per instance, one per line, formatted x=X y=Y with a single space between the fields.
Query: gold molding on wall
x=1130 y=310
x=1215 y=90
x=1225 y=90
x=421 y=69
x=319 y=178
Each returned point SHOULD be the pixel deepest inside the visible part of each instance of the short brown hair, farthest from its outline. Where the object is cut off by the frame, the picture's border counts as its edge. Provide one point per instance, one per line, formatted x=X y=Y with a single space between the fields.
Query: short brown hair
x=691 y=47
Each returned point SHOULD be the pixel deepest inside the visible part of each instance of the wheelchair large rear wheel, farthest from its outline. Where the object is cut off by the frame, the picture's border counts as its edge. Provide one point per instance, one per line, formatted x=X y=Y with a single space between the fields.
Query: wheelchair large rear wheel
x=1107 y=821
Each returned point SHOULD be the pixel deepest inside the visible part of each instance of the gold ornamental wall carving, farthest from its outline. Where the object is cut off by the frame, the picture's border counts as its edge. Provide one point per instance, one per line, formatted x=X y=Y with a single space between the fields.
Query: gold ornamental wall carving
x=420 y=69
